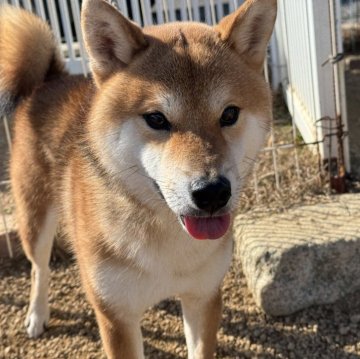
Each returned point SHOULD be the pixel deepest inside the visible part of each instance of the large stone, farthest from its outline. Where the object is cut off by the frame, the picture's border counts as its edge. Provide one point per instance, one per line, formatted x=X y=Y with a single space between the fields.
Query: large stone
x=306 y=256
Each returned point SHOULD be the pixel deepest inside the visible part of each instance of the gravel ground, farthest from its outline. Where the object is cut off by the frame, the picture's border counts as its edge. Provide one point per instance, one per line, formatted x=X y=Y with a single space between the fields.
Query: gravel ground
x=331 y=331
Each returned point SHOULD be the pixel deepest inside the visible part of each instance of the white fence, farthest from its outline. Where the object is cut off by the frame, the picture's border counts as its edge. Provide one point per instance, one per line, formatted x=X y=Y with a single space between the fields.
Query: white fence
x=64 y=18
x=303 y=53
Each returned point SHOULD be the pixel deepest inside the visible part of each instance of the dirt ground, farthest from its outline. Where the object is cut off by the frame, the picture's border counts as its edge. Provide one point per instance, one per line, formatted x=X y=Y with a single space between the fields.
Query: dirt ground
x=331 y=331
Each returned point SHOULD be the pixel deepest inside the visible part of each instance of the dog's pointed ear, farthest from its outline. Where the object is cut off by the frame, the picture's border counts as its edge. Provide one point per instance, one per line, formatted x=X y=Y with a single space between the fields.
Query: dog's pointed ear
x=248 y=30
x=110 y=39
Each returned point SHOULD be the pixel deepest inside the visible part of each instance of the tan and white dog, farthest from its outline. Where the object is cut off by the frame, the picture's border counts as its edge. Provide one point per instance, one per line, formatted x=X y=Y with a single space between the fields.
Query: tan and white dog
x=142 y=165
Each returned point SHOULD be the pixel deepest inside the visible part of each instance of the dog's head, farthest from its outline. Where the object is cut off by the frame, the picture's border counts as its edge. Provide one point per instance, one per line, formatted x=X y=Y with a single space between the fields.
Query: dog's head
x=182 y=109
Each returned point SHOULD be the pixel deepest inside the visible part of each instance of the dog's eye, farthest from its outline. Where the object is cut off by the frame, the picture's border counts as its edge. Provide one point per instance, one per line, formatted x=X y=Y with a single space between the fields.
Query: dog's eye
x=229 y=116
x=157 y=121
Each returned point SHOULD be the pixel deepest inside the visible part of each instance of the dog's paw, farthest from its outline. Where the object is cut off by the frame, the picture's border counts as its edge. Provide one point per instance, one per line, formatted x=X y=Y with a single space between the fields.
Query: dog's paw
x=36 y=322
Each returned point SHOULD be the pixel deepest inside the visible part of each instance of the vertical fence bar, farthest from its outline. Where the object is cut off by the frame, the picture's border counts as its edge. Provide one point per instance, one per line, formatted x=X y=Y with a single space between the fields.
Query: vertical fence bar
x=232 y=5
x=290 y=75
x=272 y=137
x=296 y=156
x=312 y=65
x=256 y=185
x=159 y=12
x=27 y=5
x=123 y=7
x=166 y=10
x=6 y=228
x=352 y=16
x=170 y=10
x=190 y=13
x=143 y=13
x=196 y=10
x=76 y=16
x=7 y=237
x=172 y=16
x=213 y=12
x=146 y=13
x=183 y=12
x=54 y=20
x=64 y=10
x=220 y=9
x=336 y=40
x=207 y=13
x=274 y=158
x=40 y=10
x=274 y=64
x=136 y=12
x=7 y=133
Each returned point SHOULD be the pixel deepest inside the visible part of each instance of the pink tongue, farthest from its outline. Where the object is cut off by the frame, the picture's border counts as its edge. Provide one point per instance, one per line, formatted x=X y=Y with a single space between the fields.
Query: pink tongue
x=207 y=227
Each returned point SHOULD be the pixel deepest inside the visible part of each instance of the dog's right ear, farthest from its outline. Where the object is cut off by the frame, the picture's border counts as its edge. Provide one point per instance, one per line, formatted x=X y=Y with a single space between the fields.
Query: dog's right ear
x=248 y=30
x=111 y=40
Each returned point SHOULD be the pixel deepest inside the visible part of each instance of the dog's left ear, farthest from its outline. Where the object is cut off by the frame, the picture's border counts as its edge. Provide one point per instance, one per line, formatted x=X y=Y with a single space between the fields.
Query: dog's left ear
x=111 y=40
x=248 y=30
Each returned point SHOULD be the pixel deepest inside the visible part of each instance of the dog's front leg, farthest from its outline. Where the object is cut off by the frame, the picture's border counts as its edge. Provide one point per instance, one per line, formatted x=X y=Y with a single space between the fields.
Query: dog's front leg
x=122 y=339
x=202 y=317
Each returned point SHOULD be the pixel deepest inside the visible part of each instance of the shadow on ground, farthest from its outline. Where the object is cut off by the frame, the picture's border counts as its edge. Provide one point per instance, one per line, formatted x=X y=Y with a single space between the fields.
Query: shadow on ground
x=330 y=331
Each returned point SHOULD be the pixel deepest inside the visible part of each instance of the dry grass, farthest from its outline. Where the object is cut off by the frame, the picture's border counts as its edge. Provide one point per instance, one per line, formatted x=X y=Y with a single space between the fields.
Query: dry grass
x=299 y=175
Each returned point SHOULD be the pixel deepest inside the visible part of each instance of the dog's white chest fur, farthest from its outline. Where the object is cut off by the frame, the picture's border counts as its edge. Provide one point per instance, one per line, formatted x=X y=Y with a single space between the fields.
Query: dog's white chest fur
x=178 y=266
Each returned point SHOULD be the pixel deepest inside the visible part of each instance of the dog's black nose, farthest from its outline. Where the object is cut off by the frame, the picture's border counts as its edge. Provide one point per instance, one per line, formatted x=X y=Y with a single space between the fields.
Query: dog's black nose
x=211 y=196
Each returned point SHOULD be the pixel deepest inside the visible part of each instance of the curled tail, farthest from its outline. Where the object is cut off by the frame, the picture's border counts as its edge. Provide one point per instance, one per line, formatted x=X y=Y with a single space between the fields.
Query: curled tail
x=29 y=54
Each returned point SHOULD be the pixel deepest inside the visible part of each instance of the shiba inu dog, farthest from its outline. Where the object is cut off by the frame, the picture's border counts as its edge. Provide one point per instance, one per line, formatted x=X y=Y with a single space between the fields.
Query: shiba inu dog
x=142 y=164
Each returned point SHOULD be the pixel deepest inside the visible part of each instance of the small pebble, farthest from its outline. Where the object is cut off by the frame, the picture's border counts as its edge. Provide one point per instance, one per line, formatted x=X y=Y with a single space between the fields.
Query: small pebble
x=291 y=346
x=344 y=330
x=355 y=318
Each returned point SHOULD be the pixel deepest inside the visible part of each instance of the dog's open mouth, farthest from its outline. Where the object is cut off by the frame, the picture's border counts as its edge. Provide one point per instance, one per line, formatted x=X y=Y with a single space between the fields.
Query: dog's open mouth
x=206 y=227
